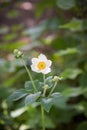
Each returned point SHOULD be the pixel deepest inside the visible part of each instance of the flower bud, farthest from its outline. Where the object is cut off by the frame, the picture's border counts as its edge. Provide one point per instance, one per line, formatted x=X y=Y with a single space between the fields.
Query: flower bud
x=56 y=78
x=46 y=87
x=18 y=54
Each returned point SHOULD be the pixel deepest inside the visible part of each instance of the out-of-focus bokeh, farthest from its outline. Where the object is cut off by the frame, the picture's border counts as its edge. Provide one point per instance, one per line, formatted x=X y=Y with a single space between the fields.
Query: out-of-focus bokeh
x=58 y=29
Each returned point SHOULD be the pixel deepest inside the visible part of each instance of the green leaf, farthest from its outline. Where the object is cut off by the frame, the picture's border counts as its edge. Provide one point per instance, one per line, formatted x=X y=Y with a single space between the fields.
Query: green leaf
x=49 y=123
x=49 y=81
x=32 y=98
x=60 y=102
x=18 y=95
x=12 y=14
x=73 y=25
x=85 y=24
x=17 y=44
x=49 y=78
x=82 y=126
x=42 y=5
x=72 y=92
x=65 y=4
x=56 y=94
x=71 y=73
x=83 y=79
x=29 y=87
x=67 y=51
x=39 y=85
x=47 y=104
x=82 y=107
x=4 y=91
x=63 y=116
x=11 y=80
x=16 y=27
x=58 y=43
x=9 y=37
x=18 y=112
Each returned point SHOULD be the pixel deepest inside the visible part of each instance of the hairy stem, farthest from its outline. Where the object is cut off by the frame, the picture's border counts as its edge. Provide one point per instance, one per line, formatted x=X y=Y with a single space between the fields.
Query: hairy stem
x=43 y=118
x=52 y=89
x=29 y=74
x=44 y=78
x=44 y=91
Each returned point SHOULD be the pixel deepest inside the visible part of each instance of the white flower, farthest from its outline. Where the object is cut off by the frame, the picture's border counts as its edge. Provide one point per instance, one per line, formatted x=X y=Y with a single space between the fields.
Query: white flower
x=41 y=64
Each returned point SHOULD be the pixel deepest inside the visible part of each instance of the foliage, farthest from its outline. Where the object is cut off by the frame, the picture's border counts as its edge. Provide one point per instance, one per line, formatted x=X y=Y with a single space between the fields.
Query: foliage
x=63 y=38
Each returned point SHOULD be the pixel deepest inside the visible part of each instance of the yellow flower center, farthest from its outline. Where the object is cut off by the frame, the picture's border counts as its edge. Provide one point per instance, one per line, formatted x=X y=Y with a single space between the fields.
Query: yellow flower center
x=41 y=65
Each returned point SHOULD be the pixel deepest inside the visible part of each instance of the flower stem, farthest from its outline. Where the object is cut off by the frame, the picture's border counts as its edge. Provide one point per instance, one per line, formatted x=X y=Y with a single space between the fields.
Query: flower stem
x=43 y=119
x=53 y=88
x=29 y=74
x=44 y=78
x=44 y=91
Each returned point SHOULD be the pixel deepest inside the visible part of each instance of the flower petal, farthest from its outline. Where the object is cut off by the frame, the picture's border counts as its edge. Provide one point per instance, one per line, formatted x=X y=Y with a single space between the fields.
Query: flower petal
x=42 y=57
x=34 y=68
x=34 y=60
x=48 y=63
x=46 y=71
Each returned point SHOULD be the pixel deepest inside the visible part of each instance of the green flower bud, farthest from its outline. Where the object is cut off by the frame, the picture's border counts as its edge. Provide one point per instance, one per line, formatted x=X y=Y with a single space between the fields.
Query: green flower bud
x=18 y=54
x=56 y=78
x=46 y=87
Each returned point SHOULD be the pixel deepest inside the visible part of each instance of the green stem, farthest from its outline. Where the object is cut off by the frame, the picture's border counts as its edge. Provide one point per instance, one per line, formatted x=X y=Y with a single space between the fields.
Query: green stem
x=44 y=91
x=43 y=119
x=44 y=78
x=29 y=74
x=53 y=88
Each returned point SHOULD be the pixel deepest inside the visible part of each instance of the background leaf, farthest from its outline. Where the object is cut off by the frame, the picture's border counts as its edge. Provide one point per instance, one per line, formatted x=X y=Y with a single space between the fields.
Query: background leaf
x=31 y=98
x=71 y=73
x=72 y=92
x=65 y=4
x=47 y=104
x=18 y=94
x=82 y=126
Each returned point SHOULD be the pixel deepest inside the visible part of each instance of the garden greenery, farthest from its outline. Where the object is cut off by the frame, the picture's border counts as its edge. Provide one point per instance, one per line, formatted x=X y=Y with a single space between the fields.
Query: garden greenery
x=59 y=30
x=36 y=91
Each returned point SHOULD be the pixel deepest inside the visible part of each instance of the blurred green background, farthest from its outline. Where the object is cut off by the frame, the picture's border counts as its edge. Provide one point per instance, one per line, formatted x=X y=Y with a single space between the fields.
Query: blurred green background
x=58 y=29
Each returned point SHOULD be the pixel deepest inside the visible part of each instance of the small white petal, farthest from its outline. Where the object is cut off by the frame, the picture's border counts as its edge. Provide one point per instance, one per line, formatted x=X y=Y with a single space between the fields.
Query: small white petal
x=46 y=71
x=42 y=57
x=34 y=68
x=49 y=63
x=34 y=60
